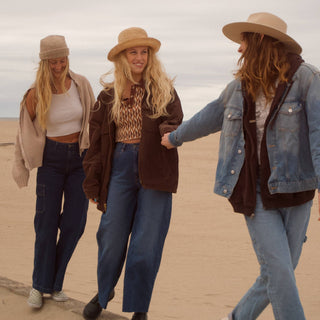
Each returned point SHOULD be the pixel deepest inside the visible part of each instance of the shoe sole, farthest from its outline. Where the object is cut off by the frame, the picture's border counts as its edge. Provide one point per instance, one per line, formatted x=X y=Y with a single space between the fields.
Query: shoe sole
x=90 y=318
x=60 y=300
x=32 y=305
x=111 y=296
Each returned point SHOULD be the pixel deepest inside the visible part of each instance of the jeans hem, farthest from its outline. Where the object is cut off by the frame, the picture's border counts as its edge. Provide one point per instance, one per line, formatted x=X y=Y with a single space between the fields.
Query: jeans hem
x=42 y=289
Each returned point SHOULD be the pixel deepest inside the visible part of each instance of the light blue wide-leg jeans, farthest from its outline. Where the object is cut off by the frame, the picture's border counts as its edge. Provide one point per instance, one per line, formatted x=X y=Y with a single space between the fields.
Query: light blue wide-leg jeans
x=277 y=236
x=134 y=226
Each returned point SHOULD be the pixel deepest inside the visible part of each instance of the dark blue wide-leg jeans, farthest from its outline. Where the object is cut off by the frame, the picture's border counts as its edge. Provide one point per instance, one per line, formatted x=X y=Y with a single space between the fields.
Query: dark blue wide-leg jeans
x=58 y=227
x=143 y=213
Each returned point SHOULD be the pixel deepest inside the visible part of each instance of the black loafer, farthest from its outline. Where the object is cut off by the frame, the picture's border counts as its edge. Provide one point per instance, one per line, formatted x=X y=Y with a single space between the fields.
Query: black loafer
x=93 y=309
x=140 y=316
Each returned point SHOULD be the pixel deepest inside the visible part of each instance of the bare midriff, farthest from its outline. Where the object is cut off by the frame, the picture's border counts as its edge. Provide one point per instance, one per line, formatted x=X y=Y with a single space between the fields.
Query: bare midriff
x=69 y=138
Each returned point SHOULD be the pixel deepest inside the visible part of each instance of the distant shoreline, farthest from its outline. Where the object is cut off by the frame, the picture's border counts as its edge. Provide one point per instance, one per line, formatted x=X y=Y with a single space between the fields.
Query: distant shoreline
x=5 y=144
x=8 y=119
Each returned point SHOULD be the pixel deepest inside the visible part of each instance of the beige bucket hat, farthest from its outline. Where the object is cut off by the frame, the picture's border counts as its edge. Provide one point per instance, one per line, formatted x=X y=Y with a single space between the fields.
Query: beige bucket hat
x=133 y=37
x=53 y=46
x=265 y=23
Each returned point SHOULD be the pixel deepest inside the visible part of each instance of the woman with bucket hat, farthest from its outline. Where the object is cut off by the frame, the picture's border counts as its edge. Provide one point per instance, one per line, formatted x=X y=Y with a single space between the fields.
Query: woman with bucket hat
x=53 y=136
x=269 y=155
x=129 y=174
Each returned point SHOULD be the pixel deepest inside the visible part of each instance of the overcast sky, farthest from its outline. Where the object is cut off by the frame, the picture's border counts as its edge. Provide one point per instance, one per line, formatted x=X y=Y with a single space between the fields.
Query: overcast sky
x=193 y=50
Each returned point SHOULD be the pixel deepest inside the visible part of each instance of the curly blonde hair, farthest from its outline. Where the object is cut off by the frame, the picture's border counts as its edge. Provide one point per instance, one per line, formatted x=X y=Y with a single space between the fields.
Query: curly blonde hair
x=43 y=90
x=159 y=87
x=262 y=64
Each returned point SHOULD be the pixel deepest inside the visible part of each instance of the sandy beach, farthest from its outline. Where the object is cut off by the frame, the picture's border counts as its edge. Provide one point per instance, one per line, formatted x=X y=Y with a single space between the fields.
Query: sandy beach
x=208 y=261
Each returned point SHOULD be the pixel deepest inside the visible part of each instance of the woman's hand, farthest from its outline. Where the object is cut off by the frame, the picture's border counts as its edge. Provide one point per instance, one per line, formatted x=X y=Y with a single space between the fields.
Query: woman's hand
x=95 y=201
x=166 y=142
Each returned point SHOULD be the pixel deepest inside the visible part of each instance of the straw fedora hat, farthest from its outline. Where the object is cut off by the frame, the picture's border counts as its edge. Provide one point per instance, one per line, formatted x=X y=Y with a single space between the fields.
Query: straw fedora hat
x=133 y=37
x=265 y=23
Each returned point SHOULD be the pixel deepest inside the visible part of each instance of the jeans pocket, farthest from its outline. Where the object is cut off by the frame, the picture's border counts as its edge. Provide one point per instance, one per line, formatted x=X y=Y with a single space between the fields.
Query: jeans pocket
x=41 y=192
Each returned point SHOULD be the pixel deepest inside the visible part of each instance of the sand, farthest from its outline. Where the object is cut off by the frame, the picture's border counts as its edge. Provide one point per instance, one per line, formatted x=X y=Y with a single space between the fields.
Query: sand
x=208 y=261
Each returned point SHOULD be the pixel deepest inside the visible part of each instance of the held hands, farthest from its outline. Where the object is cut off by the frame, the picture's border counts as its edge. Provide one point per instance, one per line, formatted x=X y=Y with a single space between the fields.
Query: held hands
x=95 y=201
x=166 y=142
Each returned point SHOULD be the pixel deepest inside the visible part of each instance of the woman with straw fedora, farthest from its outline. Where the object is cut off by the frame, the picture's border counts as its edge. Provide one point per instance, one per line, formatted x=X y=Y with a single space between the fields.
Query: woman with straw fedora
x=129 y=174
x=269 y=155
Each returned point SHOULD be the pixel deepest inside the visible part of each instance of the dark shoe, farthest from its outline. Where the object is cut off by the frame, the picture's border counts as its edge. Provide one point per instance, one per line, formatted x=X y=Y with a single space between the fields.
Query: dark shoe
x=93 y=309
x=140 y=316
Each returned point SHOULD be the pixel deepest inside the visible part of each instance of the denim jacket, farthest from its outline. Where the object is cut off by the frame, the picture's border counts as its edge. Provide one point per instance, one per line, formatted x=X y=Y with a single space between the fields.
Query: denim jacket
x=292 y=136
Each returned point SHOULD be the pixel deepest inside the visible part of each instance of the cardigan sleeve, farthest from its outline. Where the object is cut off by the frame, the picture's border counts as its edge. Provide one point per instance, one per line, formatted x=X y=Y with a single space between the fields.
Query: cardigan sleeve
x=20 y=173
x=29 y=147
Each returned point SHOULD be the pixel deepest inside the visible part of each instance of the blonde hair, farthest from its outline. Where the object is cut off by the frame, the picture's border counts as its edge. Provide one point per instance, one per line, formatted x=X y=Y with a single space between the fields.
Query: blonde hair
x=263 y=62
x=159 y=87
x=43 y=90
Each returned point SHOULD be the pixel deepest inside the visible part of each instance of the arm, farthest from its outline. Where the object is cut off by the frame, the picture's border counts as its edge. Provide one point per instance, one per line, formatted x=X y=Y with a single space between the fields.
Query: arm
x=31 y=103
x=20 y=172
x=203 y=123
x=90 y=98
x=165 y=141
x=174 y=119
x=312 y=104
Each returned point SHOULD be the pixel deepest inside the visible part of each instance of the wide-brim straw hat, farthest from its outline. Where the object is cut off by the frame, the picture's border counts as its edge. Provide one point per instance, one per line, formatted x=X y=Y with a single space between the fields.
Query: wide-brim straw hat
x=264 y=23
x=133 y=37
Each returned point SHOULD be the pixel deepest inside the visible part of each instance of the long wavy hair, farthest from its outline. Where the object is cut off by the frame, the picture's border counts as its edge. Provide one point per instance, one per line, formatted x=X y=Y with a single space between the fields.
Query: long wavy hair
x=44 y=85
x=262 y=64
x=159 y=87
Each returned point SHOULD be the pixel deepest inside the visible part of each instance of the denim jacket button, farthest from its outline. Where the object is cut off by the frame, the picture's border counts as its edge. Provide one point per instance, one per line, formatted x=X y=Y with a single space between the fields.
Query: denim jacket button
x=290 y=110
x=239 y=151
x=232 y=172
x=229 y=115
x=225 y=191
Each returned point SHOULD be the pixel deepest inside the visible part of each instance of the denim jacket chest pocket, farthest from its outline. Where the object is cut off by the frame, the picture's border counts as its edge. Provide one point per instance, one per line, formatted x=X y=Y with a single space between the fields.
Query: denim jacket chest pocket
x=290 y=117
x=232 y=121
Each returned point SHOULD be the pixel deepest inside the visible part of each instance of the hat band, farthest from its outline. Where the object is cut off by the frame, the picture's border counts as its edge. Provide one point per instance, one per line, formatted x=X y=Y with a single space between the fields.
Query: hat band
x=55 y=53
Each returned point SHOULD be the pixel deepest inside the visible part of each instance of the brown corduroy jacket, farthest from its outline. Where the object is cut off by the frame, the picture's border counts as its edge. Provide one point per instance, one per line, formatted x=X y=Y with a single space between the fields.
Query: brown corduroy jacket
x=158 y=166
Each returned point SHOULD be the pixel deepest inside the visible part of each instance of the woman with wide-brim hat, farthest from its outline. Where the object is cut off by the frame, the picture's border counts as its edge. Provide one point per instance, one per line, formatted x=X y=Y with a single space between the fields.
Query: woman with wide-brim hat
x=129 y=174
x=269 y=156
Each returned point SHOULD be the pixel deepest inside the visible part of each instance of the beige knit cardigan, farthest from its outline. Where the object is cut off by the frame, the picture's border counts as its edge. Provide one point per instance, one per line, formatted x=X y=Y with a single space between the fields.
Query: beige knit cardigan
x=30 y=139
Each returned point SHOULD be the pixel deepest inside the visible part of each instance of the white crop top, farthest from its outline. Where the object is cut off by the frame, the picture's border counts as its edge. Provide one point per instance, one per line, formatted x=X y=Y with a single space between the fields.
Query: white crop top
x=65 y=113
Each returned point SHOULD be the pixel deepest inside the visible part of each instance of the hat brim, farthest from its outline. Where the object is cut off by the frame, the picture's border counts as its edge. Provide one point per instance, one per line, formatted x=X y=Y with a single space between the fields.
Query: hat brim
x=233 y=32
x=148 y=42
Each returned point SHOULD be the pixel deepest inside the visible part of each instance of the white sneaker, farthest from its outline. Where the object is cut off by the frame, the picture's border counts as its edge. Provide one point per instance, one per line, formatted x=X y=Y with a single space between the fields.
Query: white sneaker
x=59 y=296
x=35 y=298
